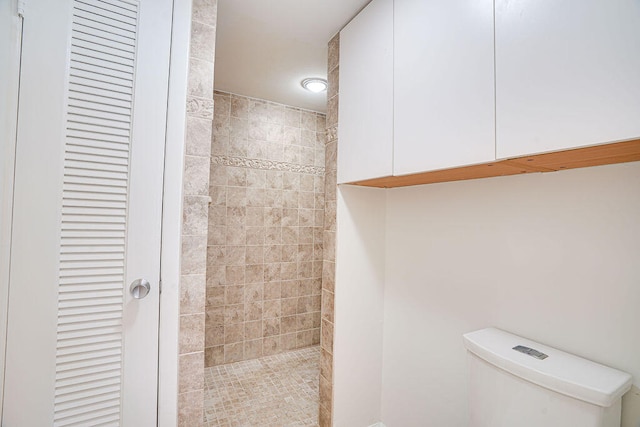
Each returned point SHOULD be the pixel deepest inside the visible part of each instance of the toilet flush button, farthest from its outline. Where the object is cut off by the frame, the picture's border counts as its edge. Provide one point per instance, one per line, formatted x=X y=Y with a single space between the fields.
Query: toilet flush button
x=530 y=351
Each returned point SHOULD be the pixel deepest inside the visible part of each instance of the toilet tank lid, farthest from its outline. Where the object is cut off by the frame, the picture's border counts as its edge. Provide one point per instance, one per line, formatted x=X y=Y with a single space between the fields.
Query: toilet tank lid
x=561 y=372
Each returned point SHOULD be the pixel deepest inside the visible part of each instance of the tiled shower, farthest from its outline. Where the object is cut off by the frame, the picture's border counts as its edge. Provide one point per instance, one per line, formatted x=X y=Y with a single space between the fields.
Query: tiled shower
x=265 y=238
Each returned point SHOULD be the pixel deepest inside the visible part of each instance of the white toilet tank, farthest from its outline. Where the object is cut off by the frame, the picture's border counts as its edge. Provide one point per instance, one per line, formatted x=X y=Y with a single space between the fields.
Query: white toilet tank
x=515 y=382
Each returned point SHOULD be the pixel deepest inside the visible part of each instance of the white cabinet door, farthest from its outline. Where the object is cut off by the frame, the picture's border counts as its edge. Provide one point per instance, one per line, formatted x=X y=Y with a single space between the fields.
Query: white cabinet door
x=81 y=350
x=443 y=84
x=567 y=74
x=366 y=95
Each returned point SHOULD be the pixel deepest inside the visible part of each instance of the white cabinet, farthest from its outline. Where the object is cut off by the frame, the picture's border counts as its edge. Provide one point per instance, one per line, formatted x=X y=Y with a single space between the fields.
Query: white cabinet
x=443 y=84
x=567 y=74
x=365 y=131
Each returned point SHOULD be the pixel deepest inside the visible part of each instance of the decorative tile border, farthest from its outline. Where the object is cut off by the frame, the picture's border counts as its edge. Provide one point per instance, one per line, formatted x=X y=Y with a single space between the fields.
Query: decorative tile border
x=332 y=134
x=244 y=162
x=200 y=107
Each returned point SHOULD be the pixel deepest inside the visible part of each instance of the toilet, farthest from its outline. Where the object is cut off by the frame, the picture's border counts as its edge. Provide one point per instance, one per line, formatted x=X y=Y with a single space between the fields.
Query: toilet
x=516 y=382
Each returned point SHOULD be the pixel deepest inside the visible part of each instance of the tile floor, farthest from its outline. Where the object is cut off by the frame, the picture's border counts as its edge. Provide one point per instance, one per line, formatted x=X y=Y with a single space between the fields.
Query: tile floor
x=274 y=391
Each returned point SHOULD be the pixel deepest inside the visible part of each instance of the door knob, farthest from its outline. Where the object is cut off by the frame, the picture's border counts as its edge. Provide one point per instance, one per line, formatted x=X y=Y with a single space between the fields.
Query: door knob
x=140 y=288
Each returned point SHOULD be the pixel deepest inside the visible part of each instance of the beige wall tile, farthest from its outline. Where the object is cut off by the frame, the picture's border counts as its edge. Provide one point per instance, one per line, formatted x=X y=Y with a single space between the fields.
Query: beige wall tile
x=253 y=349
x=265 y=226
x=196 y=176
x=215 y=296
x=203 y=39
x=239 y=107
x=304 y=338
x=326 y=391
x=194 y=255
x=271 y=345
x=214 y=335
x=191 y=333
x=191 y=372
x=200 y=78
x=214 y=355
x=289 y=341
x=329 y=245
x=327 y=305
x=221 y=103
x=326 y=364
x=332 y=111
x=204 y=11
x=326 y=336
x=325 y=416
x=253 y=330
x=198 y=133
x=190 y=408
x=193 y=291
x=195 y=212
x=233 y=352
x=192 y=294
x=328 y=275
x=333 y=52
x=233 y=333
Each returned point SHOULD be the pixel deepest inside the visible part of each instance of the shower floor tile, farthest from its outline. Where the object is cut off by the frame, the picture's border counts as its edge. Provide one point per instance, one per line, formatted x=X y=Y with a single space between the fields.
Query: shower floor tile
x=274 y=391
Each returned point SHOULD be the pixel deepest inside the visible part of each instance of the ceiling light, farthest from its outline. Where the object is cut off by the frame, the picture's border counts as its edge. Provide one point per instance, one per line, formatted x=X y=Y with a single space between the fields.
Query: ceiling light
x=315 y=85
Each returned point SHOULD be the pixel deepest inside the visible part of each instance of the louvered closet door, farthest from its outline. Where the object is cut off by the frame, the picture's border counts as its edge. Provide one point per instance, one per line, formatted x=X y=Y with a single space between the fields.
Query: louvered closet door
x=81 y=351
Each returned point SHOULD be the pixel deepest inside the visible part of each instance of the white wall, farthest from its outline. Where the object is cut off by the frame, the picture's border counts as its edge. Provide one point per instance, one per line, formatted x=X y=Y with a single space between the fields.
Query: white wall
x=10 y=30
x=358 y=306
x=553 y=257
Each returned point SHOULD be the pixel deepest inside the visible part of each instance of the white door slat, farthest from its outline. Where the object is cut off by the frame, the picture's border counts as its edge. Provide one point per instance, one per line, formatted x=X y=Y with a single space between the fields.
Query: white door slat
x=79 y=344
x=88 y=317
x=82 y=125
x=95 y=152
x=82 y=26
x=79 y=249
x=98 y=24
x=89 y=287
x=74 y=263
x=90 y=370
x=70 y=359
x=79 y=93
x=90 y=302
x=88 y=333
x=94 y=271
x=91 y=112
x=78 y=64
x=86 y=378
x=95 y=87
x=88 y=401
x=70 y=397
x=73 y=177
x=130 y=5
x=105 y=88
x=104 y=18
x=104 y=81
x=84 y=280
x=86 y=418
x=112 y=420
x=95 y=41
x=103 y=50
x=82 y=195
x=93 y=172
x=111 y=16
x=122 y=10
x=75 y=391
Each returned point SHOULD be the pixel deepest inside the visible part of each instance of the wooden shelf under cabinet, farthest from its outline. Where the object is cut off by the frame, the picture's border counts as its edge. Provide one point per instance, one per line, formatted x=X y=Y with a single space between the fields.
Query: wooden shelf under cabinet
x=619 y=152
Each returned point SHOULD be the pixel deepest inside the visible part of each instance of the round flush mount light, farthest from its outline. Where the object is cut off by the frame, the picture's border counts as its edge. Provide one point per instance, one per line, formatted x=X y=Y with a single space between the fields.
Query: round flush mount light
x=315 y=85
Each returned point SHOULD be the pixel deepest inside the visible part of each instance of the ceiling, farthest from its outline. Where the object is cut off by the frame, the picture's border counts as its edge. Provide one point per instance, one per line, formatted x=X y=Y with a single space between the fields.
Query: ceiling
x=265 y=48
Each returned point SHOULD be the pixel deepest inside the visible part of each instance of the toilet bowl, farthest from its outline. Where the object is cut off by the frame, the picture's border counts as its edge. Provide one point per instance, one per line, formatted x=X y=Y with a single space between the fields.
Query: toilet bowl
x=516 y=382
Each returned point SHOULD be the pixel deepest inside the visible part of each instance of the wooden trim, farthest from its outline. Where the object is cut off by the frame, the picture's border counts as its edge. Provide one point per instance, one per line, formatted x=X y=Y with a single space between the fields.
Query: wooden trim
x=619 y=152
